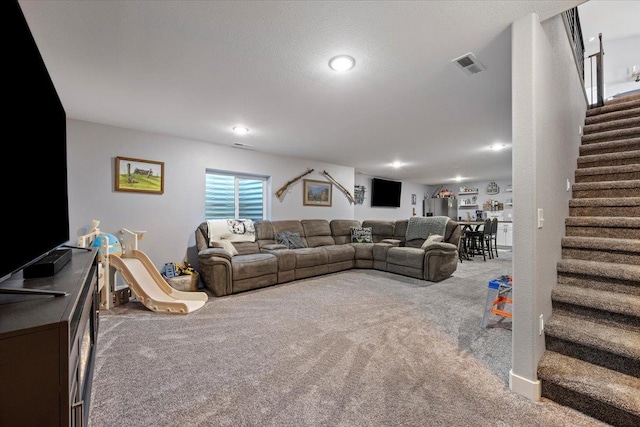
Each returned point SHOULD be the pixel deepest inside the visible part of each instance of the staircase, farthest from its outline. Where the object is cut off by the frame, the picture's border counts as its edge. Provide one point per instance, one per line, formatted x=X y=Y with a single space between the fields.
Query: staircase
x=592 y=357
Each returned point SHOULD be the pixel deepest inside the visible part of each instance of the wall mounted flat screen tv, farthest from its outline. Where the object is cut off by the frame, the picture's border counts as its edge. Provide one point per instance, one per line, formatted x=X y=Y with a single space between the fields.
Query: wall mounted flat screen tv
x=34 y=173
x=385 y=193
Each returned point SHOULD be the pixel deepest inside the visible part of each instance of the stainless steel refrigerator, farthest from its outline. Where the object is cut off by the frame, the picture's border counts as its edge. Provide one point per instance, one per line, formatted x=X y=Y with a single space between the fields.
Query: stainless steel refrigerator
x=445 y=206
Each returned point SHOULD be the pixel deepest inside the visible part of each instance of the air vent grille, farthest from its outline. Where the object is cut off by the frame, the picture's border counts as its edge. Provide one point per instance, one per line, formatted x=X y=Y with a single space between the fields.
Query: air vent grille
x=469 y=64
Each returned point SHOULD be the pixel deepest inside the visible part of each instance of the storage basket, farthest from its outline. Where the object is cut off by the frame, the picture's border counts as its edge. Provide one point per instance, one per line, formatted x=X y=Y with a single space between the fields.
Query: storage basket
x=185 y=283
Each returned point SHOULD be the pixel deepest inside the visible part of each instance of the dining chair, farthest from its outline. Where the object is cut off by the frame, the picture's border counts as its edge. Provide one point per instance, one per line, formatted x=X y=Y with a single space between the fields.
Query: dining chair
x=494 y=235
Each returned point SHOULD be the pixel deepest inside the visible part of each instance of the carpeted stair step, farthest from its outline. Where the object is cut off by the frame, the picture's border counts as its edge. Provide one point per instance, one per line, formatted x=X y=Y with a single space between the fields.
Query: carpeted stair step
x=604 y=394
x=619 y=105
x=625 y=123
x=611 y=135
x=614 y=308
x=628 y=188
x=608 y=173
x=614 y=115
x=630 y=144
x=609 y=159
x=601 y=344
x=606 y=276
x=594 y=226
x=605 y=206
x=622 y=251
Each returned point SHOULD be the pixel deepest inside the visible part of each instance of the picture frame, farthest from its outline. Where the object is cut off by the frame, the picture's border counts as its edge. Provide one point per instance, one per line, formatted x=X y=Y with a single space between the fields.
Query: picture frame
x=139 y=176
x=317 y=193
x=414 y=198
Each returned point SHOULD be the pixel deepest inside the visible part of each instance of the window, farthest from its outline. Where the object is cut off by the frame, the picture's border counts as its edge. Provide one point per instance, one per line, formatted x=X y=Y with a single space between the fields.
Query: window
x=229 y=195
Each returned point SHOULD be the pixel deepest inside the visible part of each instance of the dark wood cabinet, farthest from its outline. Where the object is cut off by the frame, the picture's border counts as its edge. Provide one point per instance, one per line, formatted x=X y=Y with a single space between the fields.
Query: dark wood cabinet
x=47 y=346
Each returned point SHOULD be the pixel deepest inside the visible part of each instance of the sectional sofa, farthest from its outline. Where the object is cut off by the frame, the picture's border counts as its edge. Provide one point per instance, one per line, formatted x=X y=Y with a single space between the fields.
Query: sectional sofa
x=326 y=247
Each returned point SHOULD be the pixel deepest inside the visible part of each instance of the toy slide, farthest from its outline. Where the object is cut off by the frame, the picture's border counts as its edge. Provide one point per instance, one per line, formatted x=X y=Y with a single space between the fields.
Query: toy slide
x=151 y=288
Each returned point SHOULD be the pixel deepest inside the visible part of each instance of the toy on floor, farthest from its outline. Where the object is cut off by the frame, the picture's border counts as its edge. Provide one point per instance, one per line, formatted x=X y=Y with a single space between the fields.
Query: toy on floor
x=137 y=270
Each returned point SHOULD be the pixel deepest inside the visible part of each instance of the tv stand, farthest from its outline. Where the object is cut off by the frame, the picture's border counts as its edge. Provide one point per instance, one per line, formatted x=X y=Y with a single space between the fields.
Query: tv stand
x=48 y=346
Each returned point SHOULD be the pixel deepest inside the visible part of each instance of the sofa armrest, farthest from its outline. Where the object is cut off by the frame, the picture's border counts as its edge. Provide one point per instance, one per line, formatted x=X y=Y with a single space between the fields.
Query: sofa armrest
x=440 y=261
x=216 y=272
x=223 y=253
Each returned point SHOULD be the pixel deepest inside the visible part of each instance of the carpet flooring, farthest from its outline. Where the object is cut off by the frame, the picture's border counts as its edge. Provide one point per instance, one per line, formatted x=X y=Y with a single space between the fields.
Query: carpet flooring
x=355 y=348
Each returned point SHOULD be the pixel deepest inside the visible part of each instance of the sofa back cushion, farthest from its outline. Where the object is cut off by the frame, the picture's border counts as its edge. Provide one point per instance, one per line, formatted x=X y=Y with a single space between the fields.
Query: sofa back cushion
x=317 y=232
x=341 y=230
x=292 y=226
x=202 y=242
x=380 y=229
x=400 y=229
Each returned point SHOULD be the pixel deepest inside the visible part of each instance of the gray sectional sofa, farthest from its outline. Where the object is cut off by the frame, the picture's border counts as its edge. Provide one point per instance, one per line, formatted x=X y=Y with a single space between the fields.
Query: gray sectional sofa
x=327 y=248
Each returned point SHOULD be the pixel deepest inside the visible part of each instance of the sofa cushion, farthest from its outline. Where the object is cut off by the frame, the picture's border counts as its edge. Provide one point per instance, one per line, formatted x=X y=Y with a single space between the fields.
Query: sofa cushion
x=361 y=235
x=381 y=229
x=253 y=265
x=339 y=253
x=292 y=226
x=341 y=230
x=317 y=232
x=226 y=245
x=363 y=251
x=310 y=257
x=407 y=257
x=290 y=239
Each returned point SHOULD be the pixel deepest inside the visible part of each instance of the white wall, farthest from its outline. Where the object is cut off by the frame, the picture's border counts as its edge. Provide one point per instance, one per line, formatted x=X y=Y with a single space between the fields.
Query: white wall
x=170 y=219
x=406 y=209
x=548 y=107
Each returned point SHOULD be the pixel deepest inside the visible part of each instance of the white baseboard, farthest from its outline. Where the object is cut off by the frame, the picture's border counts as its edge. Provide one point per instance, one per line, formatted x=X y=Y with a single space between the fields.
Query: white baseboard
x=525 y=387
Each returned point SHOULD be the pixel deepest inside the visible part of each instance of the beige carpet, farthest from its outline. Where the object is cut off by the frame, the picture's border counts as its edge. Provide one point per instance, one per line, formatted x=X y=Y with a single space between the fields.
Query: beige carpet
x=357 y=348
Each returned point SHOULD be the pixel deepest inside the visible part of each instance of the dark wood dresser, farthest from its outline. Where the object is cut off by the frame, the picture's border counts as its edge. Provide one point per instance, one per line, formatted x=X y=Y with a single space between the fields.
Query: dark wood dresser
x=47 y=346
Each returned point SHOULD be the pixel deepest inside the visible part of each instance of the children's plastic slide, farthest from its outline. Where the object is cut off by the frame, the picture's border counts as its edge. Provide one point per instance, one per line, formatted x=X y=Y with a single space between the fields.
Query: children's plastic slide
x=151 y=288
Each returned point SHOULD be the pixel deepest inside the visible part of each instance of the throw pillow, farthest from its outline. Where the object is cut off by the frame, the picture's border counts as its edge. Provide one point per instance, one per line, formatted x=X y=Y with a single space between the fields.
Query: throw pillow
x=433 y=238
x=290 y=240
x=361 y=235
x=226 y=245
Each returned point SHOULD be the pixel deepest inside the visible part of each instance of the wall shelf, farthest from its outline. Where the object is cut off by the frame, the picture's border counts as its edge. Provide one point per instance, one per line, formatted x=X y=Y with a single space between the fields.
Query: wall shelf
x=464 y=194
x=467 y=206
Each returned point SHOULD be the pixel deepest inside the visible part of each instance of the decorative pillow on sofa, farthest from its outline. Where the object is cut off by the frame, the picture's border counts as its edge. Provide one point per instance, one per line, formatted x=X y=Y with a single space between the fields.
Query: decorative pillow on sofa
x=226 y=245
x=361 y=235
x=290 y=240
x=433 y=238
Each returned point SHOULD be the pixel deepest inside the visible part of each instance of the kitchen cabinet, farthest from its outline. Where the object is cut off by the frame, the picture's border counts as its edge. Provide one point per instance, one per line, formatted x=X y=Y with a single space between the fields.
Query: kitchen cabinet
x=505 y=235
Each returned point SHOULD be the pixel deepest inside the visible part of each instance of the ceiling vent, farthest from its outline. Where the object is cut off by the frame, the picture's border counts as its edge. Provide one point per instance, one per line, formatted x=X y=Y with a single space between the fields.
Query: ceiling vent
x=243 y=146
x=469 y=64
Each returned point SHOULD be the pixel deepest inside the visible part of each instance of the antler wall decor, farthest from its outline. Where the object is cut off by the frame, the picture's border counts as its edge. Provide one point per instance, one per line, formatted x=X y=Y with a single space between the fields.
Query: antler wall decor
x=344 y=190
x=284 y=187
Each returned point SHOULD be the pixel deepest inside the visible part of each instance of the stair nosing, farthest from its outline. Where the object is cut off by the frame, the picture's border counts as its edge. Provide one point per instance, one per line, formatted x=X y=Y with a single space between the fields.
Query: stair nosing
x=600 y=383
x=605 y=170
x=597 y=299
x=562 y=326
x=591 y=158
x=614 y=244
x=608 y=221
x=600 y=269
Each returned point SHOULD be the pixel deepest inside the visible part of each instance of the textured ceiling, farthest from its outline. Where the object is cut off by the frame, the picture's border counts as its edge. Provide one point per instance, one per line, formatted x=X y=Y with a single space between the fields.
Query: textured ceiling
x=195 y=69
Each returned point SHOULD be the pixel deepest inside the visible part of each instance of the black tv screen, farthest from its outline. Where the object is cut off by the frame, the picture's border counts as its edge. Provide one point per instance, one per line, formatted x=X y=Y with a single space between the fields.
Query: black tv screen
x=34 y=170
x=385 y=193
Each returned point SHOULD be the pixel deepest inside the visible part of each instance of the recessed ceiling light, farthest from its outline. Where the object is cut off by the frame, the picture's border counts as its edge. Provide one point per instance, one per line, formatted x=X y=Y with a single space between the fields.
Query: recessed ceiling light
x=342 y=63
x=396 y=164
x=458 y=178
x=498 y=147
x=240 y=130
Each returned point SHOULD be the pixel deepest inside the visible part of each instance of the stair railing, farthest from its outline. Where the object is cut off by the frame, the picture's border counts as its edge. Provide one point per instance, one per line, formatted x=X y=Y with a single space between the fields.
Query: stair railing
x=574 y=32
x=599 y=75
